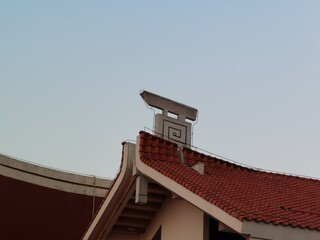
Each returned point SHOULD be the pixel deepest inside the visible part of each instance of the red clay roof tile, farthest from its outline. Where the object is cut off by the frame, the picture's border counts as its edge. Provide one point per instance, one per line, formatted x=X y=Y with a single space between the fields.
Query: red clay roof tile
x=244 y=193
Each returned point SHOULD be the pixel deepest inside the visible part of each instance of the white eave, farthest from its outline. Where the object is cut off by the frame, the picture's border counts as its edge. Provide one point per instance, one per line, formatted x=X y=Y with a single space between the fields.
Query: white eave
x=52 y=178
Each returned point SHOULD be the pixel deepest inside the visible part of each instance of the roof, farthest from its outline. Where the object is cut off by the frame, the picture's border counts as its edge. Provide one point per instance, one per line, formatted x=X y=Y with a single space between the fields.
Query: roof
x=244 y=193
x=42 y=203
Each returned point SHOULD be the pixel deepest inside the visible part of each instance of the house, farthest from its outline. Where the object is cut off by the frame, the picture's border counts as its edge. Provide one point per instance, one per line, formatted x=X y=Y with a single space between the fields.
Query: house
x=167 y=190
x=44 y=203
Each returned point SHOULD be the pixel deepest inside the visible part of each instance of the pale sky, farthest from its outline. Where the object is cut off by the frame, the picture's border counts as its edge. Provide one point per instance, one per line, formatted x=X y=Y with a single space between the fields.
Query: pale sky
x=71 y=72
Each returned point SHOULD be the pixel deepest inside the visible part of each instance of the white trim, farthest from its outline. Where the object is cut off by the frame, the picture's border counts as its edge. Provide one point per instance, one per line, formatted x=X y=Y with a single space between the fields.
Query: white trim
x=264 y=231
x=102 y=223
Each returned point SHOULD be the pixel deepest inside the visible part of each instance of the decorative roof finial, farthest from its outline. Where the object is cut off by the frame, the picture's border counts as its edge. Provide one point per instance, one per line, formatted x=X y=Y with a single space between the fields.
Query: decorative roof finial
x=177 y=129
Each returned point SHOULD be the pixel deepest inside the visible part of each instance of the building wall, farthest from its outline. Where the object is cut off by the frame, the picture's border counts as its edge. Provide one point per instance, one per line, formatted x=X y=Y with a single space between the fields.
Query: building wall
x=42 y=203
x=178 y=220
x=29 y=211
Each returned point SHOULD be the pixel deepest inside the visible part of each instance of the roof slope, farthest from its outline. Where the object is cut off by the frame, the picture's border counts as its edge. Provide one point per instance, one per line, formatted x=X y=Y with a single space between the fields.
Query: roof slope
x=244 y=193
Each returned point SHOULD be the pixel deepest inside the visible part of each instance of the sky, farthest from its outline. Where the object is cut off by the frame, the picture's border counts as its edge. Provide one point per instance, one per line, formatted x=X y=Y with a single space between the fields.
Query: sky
x=71 y=73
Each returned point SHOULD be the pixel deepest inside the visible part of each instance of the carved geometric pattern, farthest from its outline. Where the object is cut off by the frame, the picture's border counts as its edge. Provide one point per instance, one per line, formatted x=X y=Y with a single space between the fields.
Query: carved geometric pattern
x=174 y=131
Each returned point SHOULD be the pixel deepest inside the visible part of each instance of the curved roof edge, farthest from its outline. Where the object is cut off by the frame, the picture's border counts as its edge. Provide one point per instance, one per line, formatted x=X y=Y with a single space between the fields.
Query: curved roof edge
x=51 y=178
x=117 y=197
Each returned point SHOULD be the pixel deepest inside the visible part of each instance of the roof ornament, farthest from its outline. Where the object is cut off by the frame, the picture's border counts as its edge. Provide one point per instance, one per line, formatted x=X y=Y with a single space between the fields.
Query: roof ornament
x=173 y=127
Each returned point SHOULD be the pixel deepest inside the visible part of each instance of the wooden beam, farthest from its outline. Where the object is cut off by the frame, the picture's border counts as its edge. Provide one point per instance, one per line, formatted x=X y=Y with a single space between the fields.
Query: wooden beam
x=156 y=198
x=147 y=207
x=132 y=222
x=140 y=214
x=128 y=229
x=154 y=188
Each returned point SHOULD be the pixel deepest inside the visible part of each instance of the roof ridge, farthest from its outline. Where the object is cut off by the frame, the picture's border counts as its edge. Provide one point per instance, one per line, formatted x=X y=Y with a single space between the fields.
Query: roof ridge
x=233 y=162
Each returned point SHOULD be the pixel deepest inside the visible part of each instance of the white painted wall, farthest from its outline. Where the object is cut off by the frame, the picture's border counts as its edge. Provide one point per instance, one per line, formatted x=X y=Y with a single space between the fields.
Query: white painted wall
x=178 y=220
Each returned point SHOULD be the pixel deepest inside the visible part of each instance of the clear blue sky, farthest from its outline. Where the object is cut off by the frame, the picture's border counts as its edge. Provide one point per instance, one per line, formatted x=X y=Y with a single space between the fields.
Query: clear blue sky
x=71 y=72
